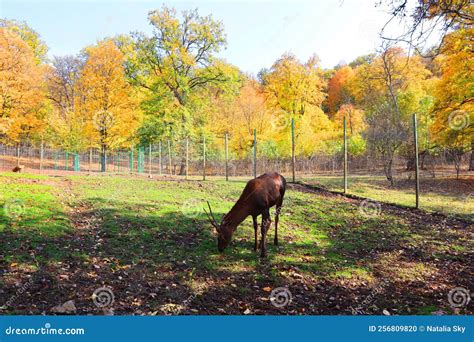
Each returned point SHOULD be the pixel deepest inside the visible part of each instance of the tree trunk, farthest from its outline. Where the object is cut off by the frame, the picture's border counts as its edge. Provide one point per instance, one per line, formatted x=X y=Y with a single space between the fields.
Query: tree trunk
x=182 y=167
x=103 y=158
x=388 y=171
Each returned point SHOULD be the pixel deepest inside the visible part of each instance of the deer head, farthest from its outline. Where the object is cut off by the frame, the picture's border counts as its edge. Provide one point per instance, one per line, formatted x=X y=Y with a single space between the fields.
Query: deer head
x=224 y=230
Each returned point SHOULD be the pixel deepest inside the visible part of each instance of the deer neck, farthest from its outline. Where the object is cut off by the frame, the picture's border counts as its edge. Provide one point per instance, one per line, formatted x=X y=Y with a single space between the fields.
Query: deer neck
x=236 y=215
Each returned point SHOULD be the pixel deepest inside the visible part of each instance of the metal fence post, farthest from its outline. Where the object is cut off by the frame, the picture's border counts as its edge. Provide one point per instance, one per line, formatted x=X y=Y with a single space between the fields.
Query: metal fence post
x=90 y=159
x=149 y=159
x=160 y=161
x=204 y=158
x=187 y=158
x=18 y=154
x=41 y=154
x=417 y=170
x=226 y=157
x=169 y=157
x=345 y=155
x=254 y=153
x=293 y=158
x=76 y=162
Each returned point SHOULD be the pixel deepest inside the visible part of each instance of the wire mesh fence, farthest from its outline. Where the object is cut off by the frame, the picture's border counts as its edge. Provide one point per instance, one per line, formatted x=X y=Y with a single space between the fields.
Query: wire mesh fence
x=158 y=159
x=441 y=187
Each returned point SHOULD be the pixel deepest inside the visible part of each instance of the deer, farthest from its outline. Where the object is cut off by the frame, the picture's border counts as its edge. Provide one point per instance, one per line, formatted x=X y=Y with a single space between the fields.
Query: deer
x=258 y=196
x=17 y=168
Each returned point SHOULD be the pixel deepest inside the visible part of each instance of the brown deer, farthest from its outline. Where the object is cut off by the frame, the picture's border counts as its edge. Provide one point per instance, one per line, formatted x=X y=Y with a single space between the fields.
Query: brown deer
x=17 y=168
x=259 y=195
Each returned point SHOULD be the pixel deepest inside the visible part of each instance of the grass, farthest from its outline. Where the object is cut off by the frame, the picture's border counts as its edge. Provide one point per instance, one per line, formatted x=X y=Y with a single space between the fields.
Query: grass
x=142 y=236
x=446 y=195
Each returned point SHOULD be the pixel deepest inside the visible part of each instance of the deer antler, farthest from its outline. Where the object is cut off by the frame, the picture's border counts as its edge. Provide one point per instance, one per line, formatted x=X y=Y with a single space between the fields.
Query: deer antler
x=210 y=216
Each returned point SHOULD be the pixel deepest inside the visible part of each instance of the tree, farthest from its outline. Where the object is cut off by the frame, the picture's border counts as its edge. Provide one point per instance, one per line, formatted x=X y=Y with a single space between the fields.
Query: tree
x=390 y=90
x=292 y=86
x=29 y=36
x=22 y=91
x=296 y=90
x=454 y=105
x=239 y=115
x=65 y=120
x=108 y=102
x=176 y=62
x=427 y=17
x=338 y=91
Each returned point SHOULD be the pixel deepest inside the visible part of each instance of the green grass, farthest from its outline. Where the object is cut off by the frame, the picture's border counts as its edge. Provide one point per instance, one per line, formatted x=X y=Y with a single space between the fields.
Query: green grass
x=102 y=226
x=32 y=213
x=444 y=195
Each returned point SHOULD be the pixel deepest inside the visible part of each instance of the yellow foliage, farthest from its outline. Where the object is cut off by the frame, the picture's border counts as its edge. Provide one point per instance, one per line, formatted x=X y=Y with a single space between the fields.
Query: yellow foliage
x=107 y=103
x=22 y=92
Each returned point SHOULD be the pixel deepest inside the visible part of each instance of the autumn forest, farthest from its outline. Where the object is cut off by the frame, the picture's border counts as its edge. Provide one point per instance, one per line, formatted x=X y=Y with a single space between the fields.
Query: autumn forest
x=139 y=89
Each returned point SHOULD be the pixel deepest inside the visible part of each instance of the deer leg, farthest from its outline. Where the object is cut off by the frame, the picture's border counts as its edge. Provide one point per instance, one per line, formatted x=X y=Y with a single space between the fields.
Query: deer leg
x=277 y=215
x=255 y=229
x=265 y=225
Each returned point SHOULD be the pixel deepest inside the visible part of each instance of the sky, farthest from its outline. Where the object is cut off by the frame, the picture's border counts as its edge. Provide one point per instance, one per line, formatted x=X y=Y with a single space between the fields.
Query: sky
x=258 y=32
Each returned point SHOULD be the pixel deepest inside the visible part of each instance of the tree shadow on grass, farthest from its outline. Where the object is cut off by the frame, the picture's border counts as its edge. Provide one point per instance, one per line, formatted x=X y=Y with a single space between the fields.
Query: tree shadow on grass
x=154 y=259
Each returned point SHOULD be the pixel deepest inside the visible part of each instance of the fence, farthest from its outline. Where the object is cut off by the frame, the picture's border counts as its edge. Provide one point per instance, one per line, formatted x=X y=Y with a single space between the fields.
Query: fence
x=362 y=175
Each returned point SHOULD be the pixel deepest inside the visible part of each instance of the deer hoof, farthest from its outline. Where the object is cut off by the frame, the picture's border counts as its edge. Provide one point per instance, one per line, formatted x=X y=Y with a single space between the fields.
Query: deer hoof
x=275 y=242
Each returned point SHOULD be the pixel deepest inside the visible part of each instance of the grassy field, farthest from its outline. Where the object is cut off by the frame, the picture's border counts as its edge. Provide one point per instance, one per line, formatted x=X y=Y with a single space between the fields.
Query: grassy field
x=446 y=195
x=148 y=240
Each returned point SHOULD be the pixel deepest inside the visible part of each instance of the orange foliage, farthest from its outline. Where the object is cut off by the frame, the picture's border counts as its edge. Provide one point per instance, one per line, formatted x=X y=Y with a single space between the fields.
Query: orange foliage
x=337 y=89
x=21 y=88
